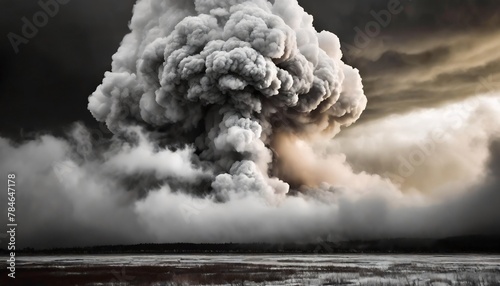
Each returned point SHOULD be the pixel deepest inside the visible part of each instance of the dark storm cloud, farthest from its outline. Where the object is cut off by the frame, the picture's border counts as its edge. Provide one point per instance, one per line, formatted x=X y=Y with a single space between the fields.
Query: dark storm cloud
x=421 y=15
x=426 y=54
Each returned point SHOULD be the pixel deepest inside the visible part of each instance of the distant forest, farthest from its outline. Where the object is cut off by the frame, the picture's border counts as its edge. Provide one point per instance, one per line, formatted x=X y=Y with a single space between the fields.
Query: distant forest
x=466 y=244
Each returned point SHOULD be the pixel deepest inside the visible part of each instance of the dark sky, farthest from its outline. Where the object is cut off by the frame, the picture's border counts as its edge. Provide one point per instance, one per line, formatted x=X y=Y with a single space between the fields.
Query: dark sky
x=416 y=60
x=45 y=86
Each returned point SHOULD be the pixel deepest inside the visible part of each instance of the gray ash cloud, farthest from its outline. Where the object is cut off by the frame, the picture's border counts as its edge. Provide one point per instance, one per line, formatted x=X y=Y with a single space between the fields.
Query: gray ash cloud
x=230 y=75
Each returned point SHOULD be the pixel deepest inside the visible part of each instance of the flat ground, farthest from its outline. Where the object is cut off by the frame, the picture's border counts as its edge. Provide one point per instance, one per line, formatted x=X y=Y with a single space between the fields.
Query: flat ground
x=256 y=270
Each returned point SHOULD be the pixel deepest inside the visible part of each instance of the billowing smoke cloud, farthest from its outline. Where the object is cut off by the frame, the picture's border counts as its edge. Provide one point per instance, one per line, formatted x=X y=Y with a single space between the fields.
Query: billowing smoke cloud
x=226 y=77
x=223 y=114
x=436 y=52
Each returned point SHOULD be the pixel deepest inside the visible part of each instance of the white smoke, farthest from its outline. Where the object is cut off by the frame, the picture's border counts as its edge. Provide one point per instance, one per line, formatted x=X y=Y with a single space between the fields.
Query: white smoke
x=227 y=78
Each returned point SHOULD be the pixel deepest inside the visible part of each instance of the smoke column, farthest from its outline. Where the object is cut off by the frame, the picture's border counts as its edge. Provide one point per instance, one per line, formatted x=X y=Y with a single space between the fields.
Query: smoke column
x=225 y=118
x=228 y=78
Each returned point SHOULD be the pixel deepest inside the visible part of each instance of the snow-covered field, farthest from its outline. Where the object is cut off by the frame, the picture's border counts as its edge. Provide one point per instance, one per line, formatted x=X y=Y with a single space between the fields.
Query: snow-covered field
x=356 y=269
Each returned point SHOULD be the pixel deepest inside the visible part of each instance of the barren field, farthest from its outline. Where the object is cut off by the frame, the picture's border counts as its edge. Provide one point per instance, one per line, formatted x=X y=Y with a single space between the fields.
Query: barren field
x=159 y=270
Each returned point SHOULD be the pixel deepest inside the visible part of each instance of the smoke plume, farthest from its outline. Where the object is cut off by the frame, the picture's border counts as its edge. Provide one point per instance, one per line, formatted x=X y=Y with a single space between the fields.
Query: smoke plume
x=223 y=114
x=226 y=78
